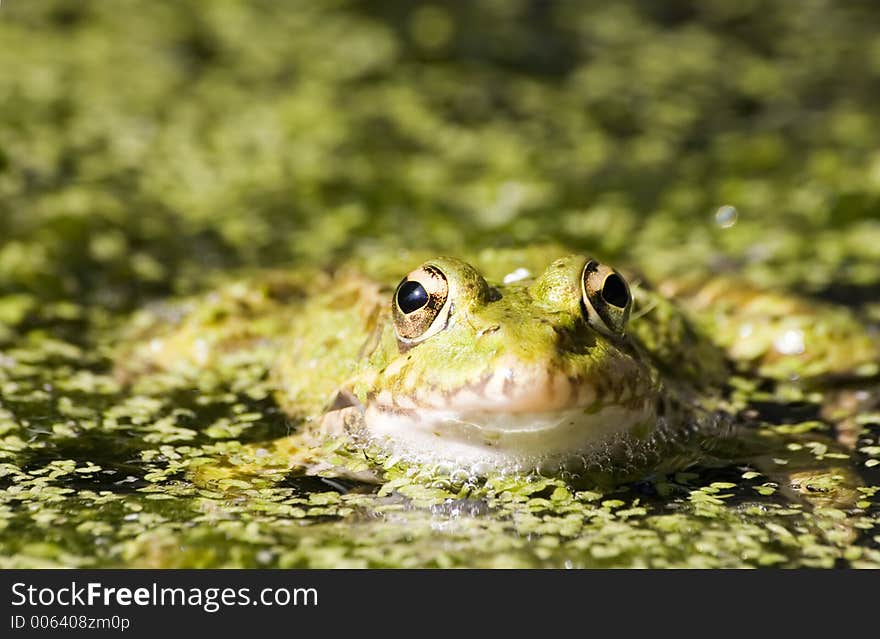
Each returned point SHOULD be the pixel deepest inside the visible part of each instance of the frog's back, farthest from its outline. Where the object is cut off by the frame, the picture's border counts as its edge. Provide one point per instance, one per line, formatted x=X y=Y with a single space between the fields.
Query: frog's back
x=777 y=334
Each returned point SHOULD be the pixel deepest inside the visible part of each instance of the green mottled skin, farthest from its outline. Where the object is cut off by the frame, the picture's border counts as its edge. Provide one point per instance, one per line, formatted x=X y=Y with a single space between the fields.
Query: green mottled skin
x=327 y=340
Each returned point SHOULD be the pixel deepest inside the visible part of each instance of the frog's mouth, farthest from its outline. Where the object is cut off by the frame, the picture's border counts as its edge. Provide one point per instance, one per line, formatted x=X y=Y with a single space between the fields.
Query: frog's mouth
x=521 y=423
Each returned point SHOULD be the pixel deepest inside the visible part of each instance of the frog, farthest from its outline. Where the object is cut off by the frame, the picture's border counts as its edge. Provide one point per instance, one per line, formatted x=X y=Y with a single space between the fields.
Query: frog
x=516 y=361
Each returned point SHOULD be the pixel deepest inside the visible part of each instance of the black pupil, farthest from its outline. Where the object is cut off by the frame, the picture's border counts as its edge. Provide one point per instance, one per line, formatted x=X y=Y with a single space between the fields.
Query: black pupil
x=411 y=297
x=614 y=291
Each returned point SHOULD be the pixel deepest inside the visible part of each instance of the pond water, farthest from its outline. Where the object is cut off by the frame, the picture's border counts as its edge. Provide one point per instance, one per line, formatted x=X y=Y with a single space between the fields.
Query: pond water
x=149 y=150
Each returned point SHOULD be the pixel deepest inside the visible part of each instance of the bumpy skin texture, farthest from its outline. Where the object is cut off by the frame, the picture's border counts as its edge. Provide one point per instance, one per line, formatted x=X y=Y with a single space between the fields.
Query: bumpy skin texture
x=515 y=346
x=775 y=334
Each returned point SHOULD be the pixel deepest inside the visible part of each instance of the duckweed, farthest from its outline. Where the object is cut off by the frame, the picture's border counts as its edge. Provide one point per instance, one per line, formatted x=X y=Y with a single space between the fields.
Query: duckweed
x=138 y=164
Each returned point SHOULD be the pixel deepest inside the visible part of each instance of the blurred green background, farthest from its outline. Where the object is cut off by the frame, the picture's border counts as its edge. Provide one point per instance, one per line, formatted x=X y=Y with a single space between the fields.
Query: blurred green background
x=144 y=144
x=148 y=148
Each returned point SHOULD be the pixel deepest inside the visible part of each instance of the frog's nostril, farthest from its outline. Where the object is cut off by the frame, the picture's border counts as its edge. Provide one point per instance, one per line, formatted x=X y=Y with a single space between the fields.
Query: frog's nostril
x=488 y=330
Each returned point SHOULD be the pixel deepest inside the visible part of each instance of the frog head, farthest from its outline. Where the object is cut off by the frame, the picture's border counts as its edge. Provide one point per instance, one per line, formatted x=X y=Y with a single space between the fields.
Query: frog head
x=515 y=374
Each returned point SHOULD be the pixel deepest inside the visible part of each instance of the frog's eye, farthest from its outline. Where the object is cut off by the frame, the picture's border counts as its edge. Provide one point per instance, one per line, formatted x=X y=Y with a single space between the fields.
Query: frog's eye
x=420 y=305
x=606 y=298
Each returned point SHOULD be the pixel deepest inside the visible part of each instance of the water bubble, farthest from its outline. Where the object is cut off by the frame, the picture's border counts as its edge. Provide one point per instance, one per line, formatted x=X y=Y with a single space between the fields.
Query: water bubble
x=726 y=216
